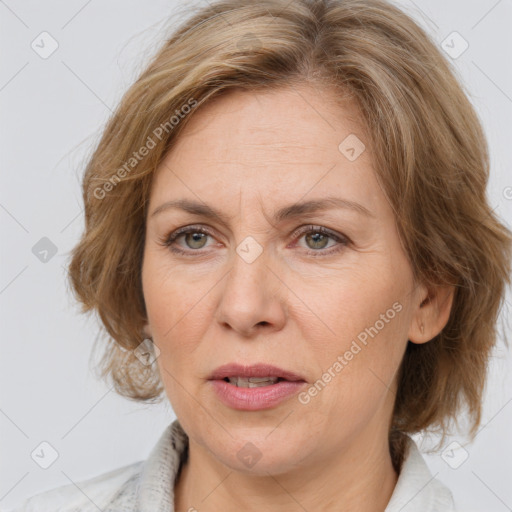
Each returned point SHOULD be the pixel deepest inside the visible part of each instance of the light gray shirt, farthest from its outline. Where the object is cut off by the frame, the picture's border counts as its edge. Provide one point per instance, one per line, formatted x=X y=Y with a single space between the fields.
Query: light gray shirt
x=145 y=486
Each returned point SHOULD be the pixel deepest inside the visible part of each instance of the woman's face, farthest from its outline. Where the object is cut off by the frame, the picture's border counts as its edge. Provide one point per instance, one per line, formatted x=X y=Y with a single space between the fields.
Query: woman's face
x=335 y=308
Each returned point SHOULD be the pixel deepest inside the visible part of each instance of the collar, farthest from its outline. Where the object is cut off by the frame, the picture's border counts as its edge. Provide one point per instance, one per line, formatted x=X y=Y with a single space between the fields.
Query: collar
x=416 y=489
x=161 y=467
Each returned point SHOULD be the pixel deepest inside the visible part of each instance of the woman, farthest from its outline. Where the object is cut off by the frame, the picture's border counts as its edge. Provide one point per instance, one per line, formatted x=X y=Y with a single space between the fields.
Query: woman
x=287 y=234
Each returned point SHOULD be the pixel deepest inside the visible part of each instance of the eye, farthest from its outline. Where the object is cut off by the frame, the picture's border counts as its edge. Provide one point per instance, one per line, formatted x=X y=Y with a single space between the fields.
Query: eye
x=317 y=238
x=195 y=238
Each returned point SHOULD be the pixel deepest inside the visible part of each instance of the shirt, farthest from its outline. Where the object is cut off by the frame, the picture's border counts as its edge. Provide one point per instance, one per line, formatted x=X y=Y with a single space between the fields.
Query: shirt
x=144 y=486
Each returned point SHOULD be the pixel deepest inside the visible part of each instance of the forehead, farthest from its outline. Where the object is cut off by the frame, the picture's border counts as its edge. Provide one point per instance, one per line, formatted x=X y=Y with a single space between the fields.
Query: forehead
x=278 y=144
x=292 y=118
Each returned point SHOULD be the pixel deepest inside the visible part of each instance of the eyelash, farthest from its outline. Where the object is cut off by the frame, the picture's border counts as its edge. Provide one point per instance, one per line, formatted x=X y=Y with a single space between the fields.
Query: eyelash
x=168 y=241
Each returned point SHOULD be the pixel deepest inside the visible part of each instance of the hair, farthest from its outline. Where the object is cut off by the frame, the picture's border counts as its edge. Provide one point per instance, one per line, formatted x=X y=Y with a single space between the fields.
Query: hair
x=430 y=156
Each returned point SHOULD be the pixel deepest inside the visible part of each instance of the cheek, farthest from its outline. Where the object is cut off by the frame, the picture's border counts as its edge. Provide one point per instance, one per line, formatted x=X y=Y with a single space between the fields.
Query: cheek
x=358 y=334
x=171 y=294
x=339 y=306
x=358 y=369
x=172 y=311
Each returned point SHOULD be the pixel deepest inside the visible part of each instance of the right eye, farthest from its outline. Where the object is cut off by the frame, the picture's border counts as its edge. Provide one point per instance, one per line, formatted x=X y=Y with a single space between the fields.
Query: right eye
x=195 y=238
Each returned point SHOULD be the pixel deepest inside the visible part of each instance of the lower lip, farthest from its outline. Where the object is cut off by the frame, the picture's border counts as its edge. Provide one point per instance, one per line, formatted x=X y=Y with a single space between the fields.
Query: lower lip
x=254 y=399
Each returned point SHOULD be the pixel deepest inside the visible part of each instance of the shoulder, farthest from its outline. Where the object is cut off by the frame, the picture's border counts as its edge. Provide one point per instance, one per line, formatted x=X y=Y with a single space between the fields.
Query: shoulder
x=92 y=494
x=141 y=485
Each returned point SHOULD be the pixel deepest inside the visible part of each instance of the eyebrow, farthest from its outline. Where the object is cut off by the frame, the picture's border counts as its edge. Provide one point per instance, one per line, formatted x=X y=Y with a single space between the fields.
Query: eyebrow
x=287 y=212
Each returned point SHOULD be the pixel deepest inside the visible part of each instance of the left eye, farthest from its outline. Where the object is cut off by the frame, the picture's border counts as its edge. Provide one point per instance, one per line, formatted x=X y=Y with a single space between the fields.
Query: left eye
x=316 y=238
x=195 y=239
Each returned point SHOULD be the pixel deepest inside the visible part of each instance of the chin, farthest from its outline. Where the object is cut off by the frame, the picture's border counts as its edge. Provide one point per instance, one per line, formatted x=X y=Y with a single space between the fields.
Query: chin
x=262 y=450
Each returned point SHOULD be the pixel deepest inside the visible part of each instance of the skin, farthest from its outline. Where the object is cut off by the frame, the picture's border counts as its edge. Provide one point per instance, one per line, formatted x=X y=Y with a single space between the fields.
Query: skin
x=248 y=154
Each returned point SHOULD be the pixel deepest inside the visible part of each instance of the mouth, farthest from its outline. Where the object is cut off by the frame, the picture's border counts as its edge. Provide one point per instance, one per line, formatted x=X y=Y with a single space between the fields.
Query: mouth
x=256 y=387
x=255 y=375
x=253 y=382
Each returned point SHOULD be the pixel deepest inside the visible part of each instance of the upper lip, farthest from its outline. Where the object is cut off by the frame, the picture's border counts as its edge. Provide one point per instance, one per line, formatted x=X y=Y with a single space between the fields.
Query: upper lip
x=255 y=370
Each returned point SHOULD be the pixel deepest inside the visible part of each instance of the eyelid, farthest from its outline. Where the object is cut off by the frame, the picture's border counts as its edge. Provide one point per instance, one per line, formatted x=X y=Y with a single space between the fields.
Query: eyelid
x=321 y=229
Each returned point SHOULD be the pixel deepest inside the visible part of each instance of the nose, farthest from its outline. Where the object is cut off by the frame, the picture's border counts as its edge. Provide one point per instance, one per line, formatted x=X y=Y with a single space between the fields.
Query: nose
x=252 y=298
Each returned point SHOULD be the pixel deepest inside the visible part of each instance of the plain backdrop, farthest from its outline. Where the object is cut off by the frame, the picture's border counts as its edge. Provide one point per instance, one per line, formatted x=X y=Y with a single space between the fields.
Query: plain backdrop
x=52 y=112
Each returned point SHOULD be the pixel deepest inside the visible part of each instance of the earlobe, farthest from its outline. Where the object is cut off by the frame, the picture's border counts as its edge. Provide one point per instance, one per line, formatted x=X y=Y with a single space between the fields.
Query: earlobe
x=431 y=314
x=146 y=331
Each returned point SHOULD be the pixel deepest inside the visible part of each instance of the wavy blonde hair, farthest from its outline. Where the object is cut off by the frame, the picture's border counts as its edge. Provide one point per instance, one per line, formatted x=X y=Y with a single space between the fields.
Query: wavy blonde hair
x=430 y=156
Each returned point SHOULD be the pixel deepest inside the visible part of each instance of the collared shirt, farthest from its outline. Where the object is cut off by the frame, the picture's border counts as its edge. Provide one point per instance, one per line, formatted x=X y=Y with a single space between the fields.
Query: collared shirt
x=145 y=486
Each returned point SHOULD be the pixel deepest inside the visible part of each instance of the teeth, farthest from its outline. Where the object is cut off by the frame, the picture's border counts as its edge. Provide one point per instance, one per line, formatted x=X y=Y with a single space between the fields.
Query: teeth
x=252 y=382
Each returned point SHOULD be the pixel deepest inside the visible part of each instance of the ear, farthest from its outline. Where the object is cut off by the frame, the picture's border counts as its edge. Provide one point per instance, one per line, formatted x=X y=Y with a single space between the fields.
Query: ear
x=146 y=331
x=432 y=311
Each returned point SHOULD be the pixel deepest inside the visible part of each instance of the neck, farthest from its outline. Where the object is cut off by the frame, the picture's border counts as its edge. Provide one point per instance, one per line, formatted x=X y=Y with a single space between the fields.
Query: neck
x=361 y=478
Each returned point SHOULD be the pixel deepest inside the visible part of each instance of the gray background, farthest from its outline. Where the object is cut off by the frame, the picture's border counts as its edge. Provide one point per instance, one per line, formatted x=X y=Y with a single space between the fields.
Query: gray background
x=52 y=112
